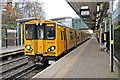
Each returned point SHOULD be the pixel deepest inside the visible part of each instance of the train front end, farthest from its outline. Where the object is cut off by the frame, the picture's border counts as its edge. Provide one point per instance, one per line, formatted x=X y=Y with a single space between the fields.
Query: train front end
x=40 y=41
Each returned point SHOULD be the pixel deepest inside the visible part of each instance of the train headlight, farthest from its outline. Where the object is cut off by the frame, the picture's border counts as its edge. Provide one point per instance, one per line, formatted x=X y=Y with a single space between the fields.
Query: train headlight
x=28 y=48
x=52 y=48
x=49 y=50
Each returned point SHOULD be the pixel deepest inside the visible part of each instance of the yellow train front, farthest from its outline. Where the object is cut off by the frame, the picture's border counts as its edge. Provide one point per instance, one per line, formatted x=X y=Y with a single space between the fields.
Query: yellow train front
x=45 y=40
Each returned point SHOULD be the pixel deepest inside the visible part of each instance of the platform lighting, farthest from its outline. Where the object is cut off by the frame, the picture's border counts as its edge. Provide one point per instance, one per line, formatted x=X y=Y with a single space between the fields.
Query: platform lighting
x=96 y=19
x=103 y=21
x=97 y=15
x=96 y=24
x=84 y=7
x=98 y=8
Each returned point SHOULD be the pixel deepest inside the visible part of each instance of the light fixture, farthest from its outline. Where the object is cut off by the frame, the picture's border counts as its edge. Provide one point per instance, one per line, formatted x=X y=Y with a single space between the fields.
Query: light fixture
x=97 y=15
x=98 y=8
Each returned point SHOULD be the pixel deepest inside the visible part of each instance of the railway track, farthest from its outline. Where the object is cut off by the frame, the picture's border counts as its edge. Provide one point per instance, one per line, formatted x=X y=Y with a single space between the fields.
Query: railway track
x=28 y=74
x=14 y=65
x=9 y=65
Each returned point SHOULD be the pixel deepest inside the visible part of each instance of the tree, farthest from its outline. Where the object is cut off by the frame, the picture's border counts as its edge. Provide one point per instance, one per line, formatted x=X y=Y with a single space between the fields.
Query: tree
x=21 y=9
x=8 y=18
x=33 y=9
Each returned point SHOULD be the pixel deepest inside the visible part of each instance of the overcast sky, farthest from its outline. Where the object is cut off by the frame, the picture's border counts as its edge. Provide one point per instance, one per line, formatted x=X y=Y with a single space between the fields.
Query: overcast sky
x=58 y=8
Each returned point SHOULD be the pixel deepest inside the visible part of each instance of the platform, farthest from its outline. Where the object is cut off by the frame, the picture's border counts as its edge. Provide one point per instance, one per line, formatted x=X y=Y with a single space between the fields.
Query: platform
x=10 y=49
x=86 y=61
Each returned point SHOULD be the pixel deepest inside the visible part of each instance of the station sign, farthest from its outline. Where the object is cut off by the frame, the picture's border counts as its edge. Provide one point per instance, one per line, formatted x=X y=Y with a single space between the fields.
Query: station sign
x=11 y=31
x=85 y=13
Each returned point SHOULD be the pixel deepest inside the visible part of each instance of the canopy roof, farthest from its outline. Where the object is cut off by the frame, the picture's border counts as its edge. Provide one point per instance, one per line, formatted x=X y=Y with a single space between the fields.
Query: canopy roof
x=92 y=6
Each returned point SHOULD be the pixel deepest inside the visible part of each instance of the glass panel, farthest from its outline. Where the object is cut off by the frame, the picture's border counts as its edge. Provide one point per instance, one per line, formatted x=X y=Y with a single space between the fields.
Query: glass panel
x=30 y=31
x=40 y=33
x=50 y=32
x=71 y=35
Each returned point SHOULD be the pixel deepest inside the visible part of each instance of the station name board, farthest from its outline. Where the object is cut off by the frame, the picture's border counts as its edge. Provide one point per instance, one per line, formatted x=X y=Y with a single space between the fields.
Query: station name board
x=85 y=12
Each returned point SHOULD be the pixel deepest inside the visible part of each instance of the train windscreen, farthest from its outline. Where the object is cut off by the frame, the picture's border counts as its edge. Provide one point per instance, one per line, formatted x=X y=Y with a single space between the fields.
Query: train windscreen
x=30 y=31
x=50 y=32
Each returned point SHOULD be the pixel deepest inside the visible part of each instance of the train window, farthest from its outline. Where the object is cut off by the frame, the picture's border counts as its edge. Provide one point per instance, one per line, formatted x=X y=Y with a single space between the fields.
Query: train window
x=61 y=36
x=71 y=35
x=30 y=31
x=64 y=35
x=40 y=33
x=50 y=32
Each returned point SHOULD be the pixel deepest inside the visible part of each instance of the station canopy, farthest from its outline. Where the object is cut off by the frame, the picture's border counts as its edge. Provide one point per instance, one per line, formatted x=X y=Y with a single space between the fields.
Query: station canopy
x=91 y=11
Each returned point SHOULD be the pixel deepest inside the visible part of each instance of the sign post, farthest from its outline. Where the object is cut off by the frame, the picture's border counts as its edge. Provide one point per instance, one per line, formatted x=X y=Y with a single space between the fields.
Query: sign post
x=0 y=24
x=111 y=36
x=100 y=35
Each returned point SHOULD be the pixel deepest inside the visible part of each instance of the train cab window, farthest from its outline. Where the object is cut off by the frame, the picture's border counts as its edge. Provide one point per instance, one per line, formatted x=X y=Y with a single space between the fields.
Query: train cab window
x=50 y=32
x=30 y=31
x=40 y=32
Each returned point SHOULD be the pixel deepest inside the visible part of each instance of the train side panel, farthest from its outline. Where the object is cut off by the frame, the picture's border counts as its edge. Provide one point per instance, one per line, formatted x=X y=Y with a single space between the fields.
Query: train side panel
x=71 y=39
x=78 y=37
x=60 y=40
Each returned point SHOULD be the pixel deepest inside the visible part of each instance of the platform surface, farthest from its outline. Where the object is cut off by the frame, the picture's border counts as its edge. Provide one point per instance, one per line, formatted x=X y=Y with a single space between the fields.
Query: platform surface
x=10 y=49
x=86 y=61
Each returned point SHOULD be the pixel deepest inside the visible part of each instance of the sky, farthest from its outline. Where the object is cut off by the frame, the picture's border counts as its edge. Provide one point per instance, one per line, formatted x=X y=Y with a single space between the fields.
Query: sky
x=57 y=8
x=60 y=8
x=115 y=2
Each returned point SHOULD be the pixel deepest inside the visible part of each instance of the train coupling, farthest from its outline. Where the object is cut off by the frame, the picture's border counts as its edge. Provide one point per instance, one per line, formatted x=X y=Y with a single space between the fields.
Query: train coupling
x=38 y=60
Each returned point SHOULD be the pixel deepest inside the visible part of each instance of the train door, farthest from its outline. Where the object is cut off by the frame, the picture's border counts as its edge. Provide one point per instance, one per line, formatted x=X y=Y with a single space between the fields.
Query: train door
x=40 y=41
x=65 y=39
x=75 y=38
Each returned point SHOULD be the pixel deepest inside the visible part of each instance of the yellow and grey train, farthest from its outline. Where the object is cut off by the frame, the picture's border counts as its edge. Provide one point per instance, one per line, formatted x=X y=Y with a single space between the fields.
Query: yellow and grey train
x=45 y=40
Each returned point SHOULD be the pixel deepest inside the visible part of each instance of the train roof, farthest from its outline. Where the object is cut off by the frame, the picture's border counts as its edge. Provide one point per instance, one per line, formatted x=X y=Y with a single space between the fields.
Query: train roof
x=26 y=19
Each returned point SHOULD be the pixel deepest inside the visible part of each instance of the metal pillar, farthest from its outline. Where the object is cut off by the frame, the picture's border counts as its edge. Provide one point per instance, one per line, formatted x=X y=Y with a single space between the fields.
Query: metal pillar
x=100 y=35
x=6 y=39
x=105 y=25
x=17 y=33
x=0 y=24
x=16 y=39
x=21 y=34
x=111 y=36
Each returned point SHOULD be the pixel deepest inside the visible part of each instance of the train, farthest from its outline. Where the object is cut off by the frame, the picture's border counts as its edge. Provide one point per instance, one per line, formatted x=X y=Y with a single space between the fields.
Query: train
x=45 y=40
